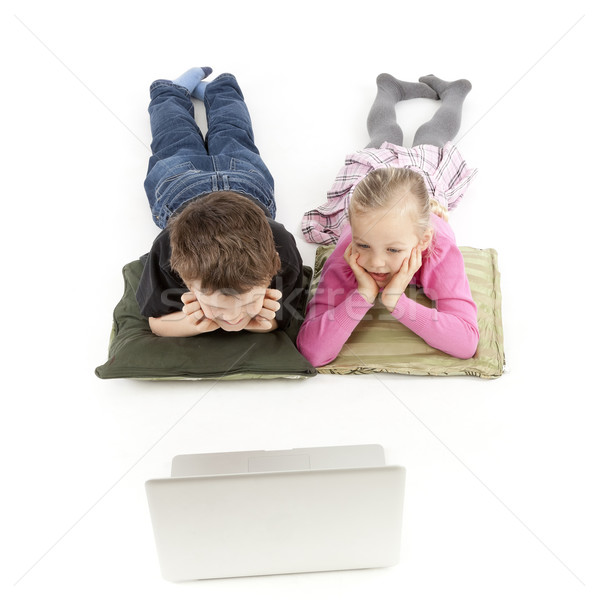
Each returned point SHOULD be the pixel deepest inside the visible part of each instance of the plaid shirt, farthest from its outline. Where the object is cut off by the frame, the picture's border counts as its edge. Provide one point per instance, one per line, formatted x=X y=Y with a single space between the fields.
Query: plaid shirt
x=444 y=170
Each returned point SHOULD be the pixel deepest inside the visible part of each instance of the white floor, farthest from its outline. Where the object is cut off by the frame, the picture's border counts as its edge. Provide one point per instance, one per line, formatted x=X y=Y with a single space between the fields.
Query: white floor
x=502 y=475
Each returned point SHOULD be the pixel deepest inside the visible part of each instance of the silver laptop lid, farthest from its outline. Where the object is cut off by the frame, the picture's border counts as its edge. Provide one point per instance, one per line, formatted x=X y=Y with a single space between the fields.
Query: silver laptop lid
x=328 y=457
x=277 y=520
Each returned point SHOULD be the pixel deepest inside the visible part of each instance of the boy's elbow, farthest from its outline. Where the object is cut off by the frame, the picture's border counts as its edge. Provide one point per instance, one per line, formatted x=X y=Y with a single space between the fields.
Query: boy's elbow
x=162 y=327
x=155 y=326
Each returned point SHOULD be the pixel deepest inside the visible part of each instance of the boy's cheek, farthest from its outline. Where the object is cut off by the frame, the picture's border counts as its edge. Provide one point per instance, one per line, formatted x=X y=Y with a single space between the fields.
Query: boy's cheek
x=256 y=308
x=258 y=300
x=206 y=310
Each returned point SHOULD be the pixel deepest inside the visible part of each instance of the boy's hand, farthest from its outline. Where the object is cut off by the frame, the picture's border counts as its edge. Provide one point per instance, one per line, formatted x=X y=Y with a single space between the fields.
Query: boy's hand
x=195 y=315
x=398 y=284
x=367 y=287
x=265 y=319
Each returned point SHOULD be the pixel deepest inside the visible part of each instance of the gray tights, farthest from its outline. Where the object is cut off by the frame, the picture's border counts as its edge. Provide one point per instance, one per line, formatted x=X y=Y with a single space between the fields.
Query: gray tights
x=445 y=124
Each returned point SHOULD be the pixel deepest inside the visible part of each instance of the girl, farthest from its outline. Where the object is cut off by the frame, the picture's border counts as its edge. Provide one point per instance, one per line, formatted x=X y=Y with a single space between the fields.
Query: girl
x=393 y=197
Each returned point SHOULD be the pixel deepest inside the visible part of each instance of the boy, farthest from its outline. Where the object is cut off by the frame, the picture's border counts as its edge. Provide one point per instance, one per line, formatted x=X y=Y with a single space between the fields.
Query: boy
x=221 y=261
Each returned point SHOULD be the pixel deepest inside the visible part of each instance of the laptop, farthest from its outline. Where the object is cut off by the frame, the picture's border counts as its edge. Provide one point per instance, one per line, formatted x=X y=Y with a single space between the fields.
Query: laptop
x=237 y=514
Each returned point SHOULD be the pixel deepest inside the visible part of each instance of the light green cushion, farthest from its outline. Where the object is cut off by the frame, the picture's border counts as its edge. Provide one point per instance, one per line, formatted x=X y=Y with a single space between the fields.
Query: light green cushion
x=380 y=344
x=135 y=352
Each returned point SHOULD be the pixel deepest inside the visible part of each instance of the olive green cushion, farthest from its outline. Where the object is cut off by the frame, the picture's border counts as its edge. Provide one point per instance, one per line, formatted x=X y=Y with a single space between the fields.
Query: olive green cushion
x=380 y=344
x=135 y=352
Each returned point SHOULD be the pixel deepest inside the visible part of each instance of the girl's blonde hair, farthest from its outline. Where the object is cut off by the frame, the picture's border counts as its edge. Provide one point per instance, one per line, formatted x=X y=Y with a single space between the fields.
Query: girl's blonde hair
x=401 y=188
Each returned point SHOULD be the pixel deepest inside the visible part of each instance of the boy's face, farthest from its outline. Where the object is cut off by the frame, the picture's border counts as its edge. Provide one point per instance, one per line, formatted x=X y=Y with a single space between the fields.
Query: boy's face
x=231 y=313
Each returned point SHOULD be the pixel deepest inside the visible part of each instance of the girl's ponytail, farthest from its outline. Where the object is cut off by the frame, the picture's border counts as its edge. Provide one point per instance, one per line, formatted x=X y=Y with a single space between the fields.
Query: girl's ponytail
x=438 y=209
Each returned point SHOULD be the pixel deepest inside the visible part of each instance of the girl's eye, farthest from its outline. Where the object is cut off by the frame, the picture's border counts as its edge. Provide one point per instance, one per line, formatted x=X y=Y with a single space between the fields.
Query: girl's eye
x=394 y=250
x=363 y=246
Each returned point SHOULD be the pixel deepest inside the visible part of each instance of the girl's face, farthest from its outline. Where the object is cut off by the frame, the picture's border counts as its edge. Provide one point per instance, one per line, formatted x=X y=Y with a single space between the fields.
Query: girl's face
x=383 y=238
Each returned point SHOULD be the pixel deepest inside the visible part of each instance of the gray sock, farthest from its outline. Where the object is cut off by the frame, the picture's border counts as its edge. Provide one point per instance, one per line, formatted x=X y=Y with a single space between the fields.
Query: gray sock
x=446 y=122
x=382 y=122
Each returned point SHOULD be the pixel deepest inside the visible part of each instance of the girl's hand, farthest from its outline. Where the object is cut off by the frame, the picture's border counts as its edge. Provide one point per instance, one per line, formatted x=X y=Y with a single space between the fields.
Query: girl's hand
x=398 y=284
x=195 y=315
x=367 y=287
x=265 y=319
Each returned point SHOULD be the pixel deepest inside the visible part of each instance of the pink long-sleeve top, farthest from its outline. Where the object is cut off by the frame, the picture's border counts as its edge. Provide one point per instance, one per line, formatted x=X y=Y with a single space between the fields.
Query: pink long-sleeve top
x=337 y=307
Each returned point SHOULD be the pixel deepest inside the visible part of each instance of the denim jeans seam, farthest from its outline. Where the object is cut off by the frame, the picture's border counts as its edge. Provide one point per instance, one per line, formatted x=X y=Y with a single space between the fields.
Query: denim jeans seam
x=170 y=177
x=262 y=184
x=219 y=77
x=169 y=83
x=222 y=76
x=267 y=200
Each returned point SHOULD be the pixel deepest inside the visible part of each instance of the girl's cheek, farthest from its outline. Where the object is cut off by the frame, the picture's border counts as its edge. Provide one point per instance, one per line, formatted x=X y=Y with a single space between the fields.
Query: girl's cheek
x=399 y=260
x=397 y=264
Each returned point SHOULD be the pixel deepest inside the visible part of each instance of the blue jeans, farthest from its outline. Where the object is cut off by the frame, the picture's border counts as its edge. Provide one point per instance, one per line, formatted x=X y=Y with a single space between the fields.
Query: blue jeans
x=184 y=165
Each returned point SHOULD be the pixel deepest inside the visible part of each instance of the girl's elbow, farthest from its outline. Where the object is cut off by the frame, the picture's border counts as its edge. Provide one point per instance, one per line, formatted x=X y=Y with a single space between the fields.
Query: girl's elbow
x=321 y=361
x=313 y=354
x=469 y=347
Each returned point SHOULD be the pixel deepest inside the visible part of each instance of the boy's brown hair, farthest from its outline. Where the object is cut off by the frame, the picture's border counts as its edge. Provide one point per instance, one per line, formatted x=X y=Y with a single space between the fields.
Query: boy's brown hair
x=223 y=240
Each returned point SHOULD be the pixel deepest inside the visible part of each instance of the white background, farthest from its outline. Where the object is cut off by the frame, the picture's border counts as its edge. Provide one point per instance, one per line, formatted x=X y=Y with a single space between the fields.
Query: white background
x=501 y=491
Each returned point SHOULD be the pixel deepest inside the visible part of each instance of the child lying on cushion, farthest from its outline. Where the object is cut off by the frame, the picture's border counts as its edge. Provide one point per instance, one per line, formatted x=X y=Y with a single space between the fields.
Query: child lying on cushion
x=221 y=261
x=394 y=237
